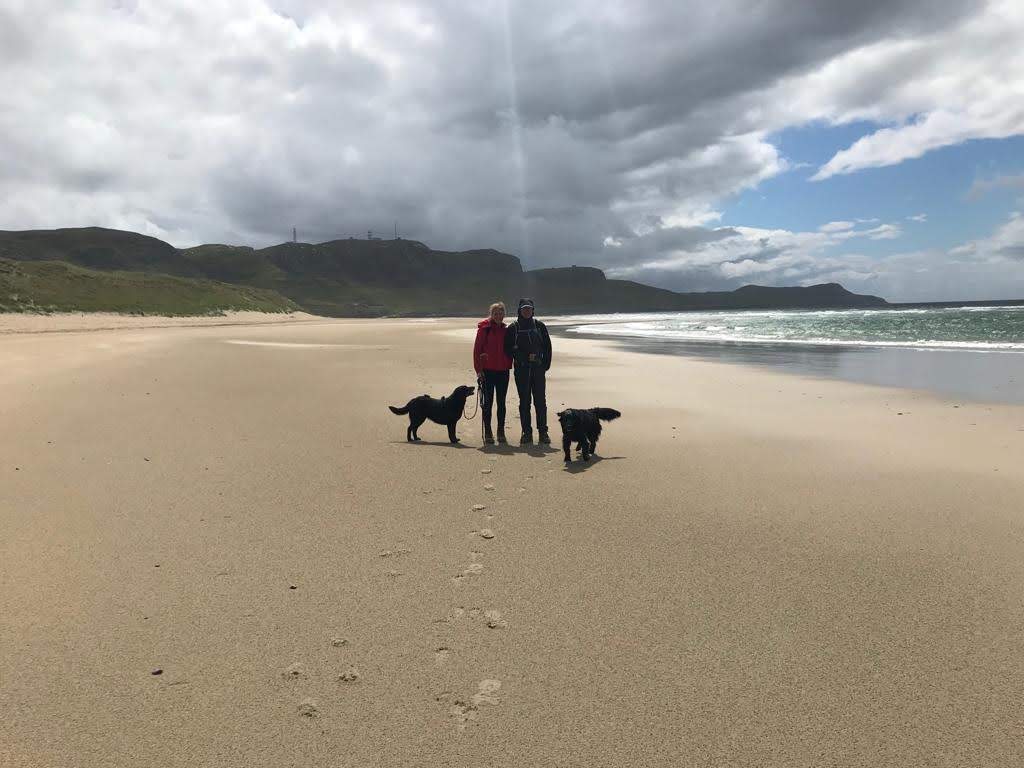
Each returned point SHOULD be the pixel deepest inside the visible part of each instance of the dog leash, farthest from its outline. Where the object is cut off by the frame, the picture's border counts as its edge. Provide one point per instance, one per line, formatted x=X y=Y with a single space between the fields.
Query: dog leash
x=479 y=399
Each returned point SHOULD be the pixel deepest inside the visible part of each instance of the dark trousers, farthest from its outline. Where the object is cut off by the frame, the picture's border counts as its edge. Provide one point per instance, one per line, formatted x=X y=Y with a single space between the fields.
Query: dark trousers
x=530 y=383
x=495 y=381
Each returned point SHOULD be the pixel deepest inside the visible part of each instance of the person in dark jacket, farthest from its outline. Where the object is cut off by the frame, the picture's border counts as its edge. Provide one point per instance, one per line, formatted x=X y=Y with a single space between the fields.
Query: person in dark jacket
x=492 y=366
x=528 y=344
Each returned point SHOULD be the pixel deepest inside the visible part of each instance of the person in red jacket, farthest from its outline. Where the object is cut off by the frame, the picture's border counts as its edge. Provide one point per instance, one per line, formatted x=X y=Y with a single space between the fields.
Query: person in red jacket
x=492 y=366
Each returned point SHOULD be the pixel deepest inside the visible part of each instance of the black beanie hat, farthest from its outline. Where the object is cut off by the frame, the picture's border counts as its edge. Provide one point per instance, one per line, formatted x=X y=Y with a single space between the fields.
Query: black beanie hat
x=525 y=303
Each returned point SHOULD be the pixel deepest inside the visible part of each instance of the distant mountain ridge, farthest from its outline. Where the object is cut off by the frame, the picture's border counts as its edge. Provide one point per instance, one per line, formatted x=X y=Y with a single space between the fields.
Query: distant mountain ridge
x=395 y=277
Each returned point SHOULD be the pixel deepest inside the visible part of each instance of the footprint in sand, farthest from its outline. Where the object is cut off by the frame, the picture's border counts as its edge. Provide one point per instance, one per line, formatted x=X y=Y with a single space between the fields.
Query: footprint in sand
x=488 y=487
x=458 y=613
x=479 y=507
x=338 y=642
x=487 y=692
x=293 y=672
x=495 y=620
x=465 y=712
x=473 y=569
x=485 y=471
x=309 y=708
x=441 y=656
x=350 y=675
x=394 y=552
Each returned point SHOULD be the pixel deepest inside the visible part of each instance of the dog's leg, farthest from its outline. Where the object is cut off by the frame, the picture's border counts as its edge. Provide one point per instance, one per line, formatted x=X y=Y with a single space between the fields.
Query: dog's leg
x=451 y=434
x=585 y=443
x=566 y=444
x=416 y=424
x=408 y=432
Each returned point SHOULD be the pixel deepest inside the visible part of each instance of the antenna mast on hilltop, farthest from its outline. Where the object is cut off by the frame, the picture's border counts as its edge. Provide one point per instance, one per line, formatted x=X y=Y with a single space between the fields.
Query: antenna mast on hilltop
x=396 y=230
x=295 y=235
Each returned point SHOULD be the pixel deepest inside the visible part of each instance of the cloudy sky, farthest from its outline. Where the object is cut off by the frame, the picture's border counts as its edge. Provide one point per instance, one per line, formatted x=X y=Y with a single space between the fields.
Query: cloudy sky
x=878 y=143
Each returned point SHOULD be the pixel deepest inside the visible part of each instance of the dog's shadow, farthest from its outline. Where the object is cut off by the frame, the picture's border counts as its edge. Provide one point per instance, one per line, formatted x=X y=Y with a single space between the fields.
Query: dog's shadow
x=432 y=443
x=578 y=465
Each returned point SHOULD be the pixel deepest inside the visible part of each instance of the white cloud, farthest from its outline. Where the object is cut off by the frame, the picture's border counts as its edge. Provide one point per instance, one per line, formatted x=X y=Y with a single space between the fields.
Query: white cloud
x=938 y=128
x=836 y=226
x=1005 y=245
x=1007 y=181
x=884 y=232
x=920 y=218
x=980 y=269
x=965 y=82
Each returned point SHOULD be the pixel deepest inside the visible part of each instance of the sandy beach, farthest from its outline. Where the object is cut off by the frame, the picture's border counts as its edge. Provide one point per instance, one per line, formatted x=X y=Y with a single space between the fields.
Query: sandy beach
x=217 y=549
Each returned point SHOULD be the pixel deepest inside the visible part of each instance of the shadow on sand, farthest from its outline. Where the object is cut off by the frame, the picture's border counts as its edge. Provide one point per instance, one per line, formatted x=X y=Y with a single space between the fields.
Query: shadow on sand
x=434 y=443
x=536 y=450
x=578 y=465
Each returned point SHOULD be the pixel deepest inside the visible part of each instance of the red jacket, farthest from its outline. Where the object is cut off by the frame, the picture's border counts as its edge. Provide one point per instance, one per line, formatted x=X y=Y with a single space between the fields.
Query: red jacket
x=490 y=338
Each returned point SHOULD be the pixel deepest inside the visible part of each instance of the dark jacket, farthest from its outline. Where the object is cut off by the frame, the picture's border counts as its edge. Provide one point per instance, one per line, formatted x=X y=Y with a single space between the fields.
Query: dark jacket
x=490 y=338
x=528 y=337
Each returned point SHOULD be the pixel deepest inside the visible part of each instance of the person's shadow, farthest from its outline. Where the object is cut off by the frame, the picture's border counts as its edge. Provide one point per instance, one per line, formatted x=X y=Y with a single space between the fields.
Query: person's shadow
x=537 y=450
x=497 y=449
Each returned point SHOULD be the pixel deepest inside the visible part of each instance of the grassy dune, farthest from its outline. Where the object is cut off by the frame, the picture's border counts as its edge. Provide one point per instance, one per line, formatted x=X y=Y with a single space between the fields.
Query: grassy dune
x=56 y=286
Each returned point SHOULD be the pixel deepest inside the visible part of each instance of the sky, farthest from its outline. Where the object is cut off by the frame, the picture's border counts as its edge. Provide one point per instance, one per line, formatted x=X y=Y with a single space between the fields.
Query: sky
x=693 y=146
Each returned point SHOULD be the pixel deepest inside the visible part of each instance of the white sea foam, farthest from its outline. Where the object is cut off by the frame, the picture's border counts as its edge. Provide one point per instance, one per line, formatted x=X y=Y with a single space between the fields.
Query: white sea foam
x=988 y=329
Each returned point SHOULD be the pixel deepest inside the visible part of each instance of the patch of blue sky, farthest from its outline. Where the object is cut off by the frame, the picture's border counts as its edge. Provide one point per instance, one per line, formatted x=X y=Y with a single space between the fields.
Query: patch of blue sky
x=936 y=184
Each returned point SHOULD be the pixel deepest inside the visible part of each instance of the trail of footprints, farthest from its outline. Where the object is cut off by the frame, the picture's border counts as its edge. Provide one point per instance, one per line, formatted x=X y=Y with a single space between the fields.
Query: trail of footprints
x=464 y=710
x=310 y=707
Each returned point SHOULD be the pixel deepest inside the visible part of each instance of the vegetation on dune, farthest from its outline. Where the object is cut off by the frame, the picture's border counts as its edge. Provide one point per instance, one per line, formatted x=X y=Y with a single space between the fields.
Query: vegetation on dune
x=56 y=286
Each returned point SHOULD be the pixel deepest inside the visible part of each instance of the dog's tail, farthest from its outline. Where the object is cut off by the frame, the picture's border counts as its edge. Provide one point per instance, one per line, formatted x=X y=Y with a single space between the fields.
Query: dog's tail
x=399 y=411
x=605 y=414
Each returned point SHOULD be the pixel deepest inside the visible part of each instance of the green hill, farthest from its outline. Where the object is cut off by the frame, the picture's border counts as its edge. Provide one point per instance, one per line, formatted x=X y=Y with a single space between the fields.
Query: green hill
x=364 y=278
x=56 y=286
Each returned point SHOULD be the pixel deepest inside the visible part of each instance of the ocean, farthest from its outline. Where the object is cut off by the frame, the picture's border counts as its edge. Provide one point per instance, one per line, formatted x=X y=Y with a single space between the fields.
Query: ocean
x=974 y=353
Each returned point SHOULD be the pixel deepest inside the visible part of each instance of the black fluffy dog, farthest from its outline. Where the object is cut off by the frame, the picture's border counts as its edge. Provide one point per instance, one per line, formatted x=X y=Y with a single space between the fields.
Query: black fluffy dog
x=447 y=411
x=583 y=427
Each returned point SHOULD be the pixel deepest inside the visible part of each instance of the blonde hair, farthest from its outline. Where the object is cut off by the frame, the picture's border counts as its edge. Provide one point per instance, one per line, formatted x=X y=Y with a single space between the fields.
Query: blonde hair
x=496 y=305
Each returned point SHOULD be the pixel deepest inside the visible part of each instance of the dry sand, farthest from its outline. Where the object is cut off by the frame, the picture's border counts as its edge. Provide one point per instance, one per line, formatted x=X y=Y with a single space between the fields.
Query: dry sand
x=13 y=322
x=759 y=570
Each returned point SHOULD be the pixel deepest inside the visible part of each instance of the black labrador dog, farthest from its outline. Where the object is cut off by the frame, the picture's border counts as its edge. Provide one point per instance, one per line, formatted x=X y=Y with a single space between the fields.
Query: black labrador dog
x=447 y=411
x=583 y=427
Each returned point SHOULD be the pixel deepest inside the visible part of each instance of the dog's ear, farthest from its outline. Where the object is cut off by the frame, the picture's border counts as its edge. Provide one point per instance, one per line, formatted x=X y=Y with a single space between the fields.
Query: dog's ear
x=560 y=414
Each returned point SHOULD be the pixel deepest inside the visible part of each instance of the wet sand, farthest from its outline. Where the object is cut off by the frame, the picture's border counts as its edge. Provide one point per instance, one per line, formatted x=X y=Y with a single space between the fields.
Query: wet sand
x=972 y=375
x=226 y=554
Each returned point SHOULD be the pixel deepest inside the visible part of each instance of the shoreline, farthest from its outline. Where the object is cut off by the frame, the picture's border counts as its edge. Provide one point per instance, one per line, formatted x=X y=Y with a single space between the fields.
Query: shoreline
x=983 y=376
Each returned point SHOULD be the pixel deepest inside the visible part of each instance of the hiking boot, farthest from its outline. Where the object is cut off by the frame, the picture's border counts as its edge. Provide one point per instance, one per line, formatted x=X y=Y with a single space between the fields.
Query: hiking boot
x=488 y=436
x=526 y=439
x=501 y=435
x=543 y=438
